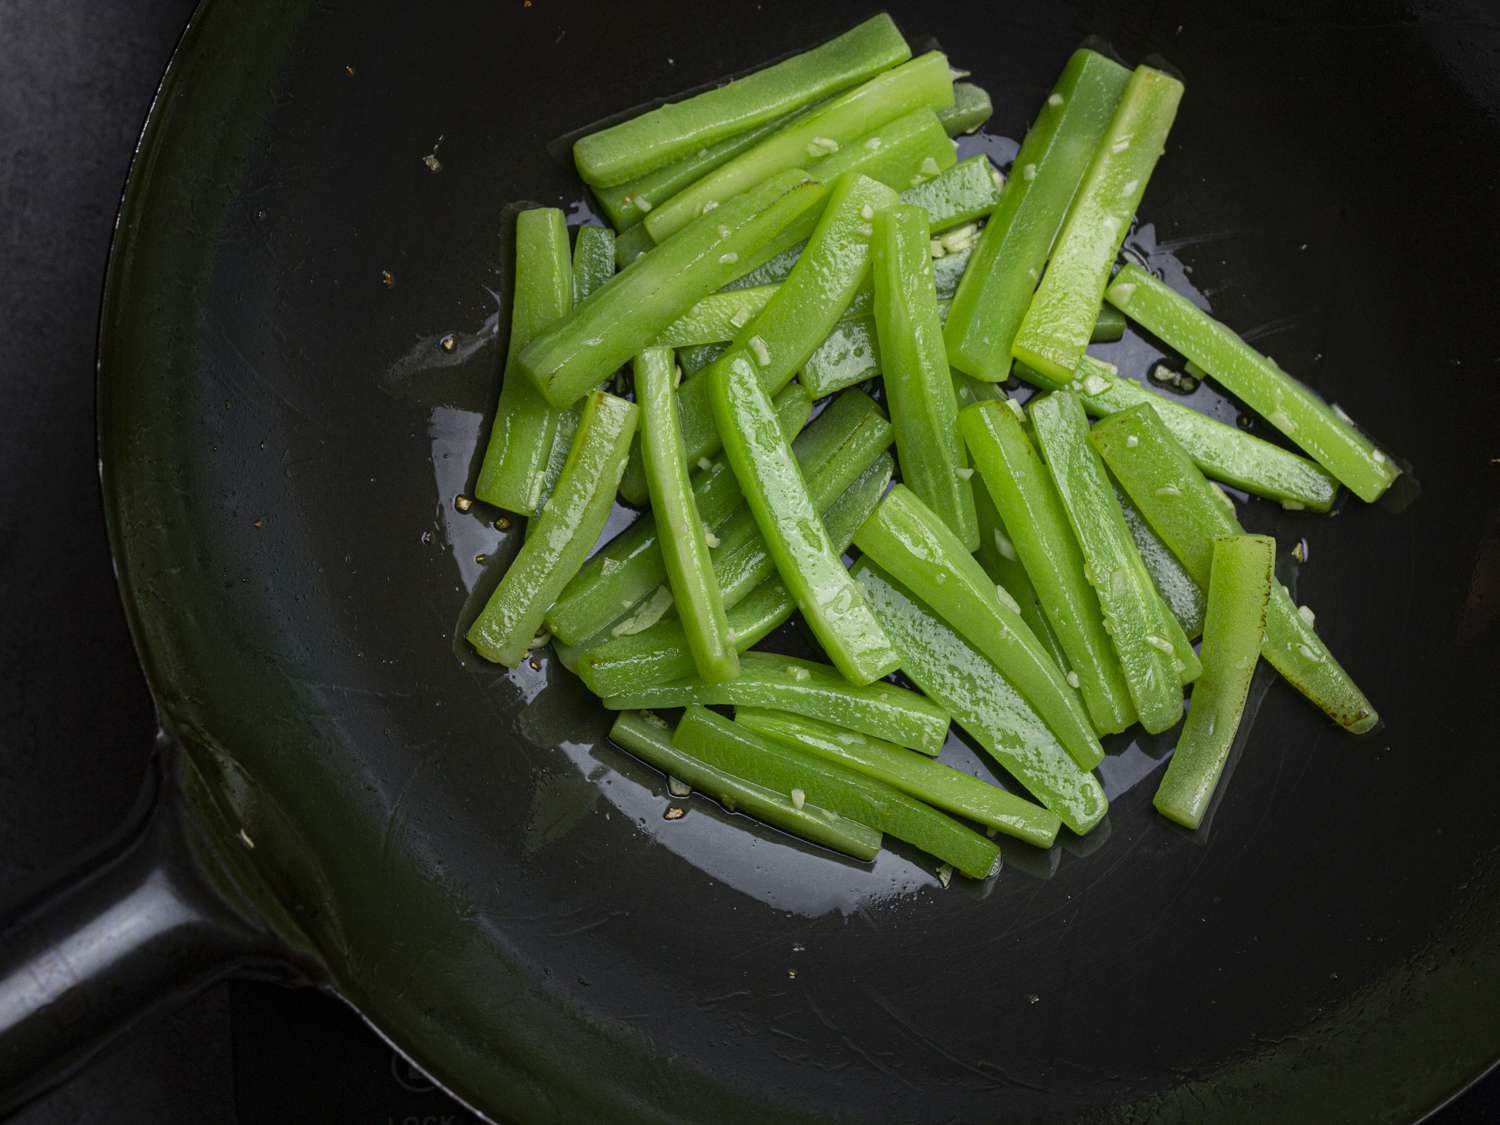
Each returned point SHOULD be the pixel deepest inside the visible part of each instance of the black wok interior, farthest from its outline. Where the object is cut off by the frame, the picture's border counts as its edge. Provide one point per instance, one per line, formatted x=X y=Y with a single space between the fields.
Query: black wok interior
x=494 y=885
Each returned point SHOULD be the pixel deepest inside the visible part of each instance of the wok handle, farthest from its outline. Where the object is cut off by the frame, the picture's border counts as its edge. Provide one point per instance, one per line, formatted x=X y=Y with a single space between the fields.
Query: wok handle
x=134 y=930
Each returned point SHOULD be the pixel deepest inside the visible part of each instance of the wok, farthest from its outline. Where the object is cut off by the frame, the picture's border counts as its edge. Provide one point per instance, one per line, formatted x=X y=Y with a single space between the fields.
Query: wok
x=347 y=798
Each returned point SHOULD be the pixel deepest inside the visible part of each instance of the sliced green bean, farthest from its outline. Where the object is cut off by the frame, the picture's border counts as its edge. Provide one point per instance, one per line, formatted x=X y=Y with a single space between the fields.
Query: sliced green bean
x=651 y=741
x=630 y=567
x=778 y=340
x=742 y=560
x=946 y=272
x=696 y=357
x=904 y=153
x=521 y=436
x=680 y=531
x=1042 y=538
x=1006 y=570
x=785 y=683
x=918 y=386
x=804 y=556
x=1133 y=613
x=963 y=193
x=806 y=777
x=624 y=316
x=1329 y=438
x=562 y=445
x=1239 y=590
x=970 y=688
x=627 y=203
x=593 y=260
x=1170 y=577
x=941 y=786
x=1060 y=319
x=851 y=353
x=1110 y=325
x=772 y=271
x=971 y=108
x=908 y=151
x=631 y=243
x=995 y=293
x=1223 y=452
x=593 y=265
x=921 y=83
x=658 y=654
x=716 y=318
x=908 y=540
x=1184 y=656
x=674 y=130
x=1189 y=513
x=567 y=529
x=831 y=454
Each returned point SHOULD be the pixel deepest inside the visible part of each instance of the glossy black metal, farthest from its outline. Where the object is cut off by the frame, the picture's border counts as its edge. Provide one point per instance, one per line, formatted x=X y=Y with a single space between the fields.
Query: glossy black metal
x=491 y=884
x=131 y=931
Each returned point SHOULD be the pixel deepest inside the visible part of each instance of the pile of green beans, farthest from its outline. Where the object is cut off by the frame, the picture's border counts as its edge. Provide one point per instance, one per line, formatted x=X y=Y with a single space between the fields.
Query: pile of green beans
x=794 y=343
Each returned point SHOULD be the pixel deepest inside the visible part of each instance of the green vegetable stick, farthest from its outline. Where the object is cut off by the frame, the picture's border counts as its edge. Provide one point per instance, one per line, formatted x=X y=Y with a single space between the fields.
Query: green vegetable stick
x=1060 y=319
x=651 y=741
x=832 y=453
x=566 y=530
x=771 y=271
x=785 y=683
x=994 y=295
x=1133 y=613
x=630 y=566
x=851 y=353
x=924 y=409
x=593 y=265
x=799 y=544
x=958 y=195
x=673 y=131
x=1108 y=327
x=696 y=357
x=921 y=83
x=680 y=532
x=971 y=108
x=961 y=194
x=1043 y=539
x=627 y=203
x=1329 y=438
x=593 y=260
x=717 y=318
x=946 y=271
x=1170 y=577
x=511 y=475
x=1239 y=590
x=805 y=777
x=970 y=688
x=909 y=150
x=941 y=786
x=908 y=540
x=1005 y=570
x=624 y=316
x=631 y=243
x=659 y=653
x=905 y=153
x=742 y=559
x=1223 y=452
x=1189 y=513
x=778 y=340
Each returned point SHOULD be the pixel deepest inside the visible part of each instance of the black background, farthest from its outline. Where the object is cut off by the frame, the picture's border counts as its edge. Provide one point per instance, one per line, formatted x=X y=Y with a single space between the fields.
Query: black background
x=76 y=80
